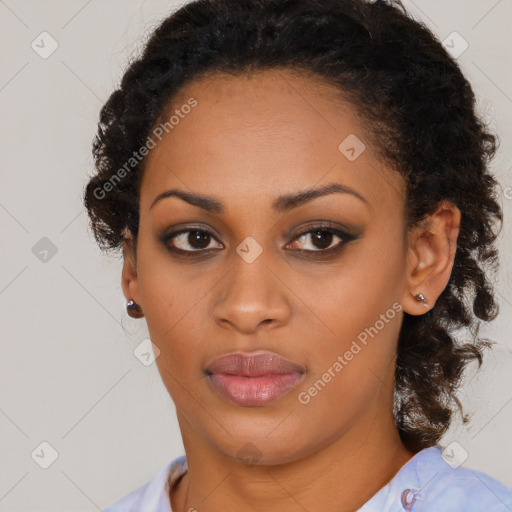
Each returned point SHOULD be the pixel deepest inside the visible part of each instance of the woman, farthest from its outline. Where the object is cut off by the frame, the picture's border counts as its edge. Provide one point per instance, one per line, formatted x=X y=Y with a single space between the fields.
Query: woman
x=301 y=193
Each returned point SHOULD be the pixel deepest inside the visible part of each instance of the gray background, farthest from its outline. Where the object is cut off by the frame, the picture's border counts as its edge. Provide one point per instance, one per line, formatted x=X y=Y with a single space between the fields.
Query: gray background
x=68 y=373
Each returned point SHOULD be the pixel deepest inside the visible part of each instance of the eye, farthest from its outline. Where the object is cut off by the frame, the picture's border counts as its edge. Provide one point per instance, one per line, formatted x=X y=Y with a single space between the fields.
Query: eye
x=321 y=239
x=191 y=240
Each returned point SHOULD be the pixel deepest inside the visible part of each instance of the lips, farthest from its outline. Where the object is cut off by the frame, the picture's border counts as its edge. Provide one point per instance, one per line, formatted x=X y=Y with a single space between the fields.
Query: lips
x=253 y=365
x=254 y=379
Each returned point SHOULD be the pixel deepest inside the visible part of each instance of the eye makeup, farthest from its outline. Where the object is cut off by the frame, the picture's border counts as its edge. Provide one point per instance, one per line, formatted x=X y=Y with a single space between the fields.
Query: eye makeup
x=321 y=238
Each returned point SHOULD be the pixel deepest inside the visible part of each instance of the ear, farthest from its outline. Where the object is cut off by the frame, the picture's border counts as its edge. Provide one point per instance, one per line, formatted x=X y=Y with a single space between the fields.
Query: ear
x=129 y=281
x=430 y=256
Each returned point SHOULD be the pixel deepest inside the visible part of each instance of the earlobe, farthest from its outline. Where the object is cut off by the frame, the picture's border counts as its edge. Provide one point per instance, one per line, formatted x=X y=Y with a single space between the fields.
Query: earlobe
x=421 y=298
x=129 y=280
x=430 y=257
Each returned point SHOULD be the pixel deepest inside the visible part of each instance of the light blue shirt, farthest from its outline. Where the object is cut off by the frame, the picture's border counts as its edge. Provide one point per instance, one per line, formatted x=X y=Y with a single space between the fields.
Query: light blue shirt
x=427 y=482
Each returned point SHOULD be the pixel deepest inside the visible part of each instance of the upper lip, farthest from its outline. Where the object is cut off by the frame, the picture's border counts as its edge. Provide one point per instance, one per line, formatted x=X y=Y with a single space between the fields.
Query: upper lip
x=253 y=364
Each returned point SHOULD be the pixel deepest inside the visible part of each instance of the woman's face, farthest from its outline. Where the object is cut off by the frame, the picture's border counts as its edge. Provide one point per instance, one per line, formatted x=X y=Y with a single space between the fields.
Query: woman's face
x=317 y=280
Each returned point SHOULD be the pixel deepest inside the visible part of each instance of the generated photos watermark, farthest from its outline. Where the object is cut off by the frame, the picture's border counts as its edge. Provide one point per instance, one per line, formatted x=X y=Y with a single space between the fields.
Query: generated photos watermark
x=304 y=397
x=137 y=156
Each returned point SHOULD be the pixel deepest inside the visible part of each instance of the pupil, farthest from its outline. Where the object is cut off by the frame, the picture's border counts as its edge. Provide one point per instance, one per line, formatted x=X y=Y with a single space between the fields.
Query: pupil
x=198 y=238
x=324 y=238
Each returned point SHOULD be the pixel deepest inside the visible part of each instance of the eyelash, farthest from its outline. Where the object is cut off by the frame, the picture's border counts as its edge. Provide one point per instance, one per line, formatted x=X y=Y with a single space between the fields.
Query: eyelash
x=325 y=228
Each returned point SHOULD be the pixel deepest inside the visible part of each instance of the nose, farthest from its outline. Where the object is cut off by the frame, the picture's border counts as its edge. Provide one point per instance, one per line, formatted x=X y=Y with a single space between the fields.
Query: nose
x=251 y=296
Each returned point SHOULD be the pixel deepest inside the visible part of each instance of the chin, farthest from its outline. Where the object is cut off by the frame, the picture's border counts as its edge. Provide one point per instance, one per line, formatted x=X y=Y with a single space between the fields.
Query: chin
x=258 y=448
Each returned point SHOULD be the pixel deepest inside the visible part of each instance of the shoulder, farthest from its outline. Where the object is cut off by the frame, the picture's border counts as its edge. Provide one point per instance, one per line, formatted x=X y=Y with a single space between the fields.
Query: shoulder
x=432 y=481
x=468 y=490
x=153 y=496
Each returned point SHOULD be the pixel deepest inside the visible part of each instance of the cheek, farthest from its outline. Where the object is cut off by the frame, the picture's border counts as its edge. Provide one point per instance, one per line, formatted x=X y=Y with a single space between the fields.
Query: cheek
x=172 y=303
x=353 y=294
x=360 y=344
x=359 y=314
x=167 y=292
x=353 y=368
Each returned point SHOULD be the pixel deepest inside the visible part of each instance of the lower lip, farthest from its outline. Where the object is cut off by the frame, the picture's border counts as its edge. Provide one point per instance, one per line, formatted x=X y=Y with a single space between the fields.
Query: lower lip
x=254 y=391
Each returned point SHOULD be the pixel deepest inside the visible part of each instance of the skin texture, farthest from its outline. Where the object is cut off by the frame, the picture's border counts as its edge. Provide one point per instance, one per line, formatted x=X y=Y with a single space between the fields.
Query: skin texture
x=250 y=139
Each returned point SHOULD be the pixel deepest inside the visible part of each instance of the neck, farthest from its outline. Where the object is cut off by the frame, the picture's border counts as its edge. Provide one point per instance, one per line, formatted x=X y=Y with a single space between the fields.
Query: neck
x=342 y=476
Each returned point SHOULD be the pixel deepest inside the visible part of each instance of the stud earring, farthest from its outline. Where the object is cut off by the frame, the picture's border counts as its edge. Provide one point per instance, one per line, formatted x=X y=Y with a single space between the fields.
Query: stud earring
x=421 y=298
x=133 y=309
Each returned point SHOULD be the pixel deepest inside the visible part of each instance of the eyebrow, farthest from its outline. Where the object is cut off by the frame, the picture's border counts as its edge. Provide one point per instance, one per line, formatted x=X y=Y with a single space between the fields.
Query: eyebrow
x=282 y=204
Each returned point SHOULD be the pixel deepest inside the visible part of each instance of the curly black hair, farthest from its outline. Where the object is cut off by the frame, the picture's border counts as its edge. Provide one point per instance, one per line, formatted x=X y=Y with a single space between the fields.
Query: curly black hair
x=420 y=112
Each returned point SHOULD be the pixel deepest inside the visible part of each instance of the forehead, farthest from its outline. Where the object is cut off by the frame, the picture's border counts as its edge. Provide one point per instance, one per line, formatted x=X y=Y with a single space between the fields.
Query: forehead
x=254 y=136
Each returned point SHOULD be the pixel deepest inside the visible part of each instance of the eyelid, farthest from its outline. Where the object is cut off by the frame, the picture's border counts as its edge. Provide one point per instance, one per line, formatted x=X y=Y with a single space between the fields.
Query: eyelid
x=167 y=237
x=345 y=234
x=184 y=227
x=325 y=224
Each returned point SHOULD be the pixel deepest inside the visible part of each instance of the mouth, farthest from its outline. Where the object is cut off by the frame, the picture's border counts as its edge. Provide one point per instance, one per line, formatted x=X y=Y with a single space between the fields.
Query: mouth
x=254 y=379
